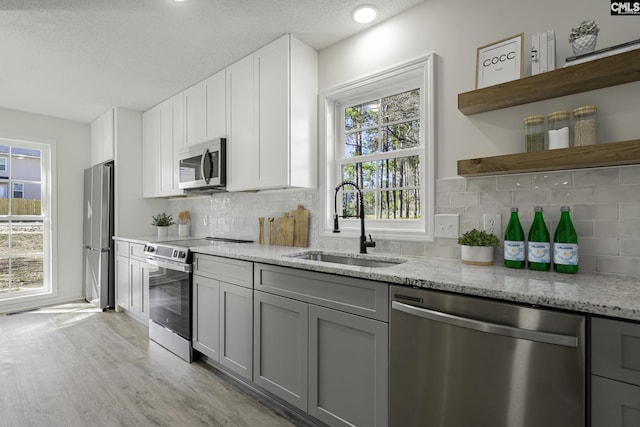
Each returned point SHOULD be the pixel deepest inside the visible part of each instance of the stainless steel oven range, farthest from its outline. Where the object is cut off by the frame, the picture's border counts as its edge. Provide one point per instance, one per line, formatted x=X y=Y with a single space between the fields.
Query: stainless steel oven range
x=170 y=287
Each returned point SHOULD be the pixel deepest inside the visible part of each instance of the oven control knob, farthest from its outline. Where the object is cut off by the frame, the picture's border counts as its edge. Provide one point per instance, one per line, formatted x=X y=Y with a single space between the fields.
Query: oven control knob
x=182 y=254
x=150 y=249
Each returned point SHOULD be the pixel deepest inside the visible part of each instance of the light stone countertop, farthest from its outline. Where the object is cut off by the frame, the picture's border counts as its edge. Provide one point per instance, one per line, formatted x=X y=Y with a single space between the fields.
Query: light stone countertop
x=603 y=294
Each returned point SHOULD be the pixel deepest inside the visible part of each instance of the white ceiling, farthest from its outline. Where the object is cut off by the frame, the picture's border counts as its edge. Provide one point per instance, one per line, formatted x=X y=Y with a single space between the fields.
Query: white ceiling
x=74 y=59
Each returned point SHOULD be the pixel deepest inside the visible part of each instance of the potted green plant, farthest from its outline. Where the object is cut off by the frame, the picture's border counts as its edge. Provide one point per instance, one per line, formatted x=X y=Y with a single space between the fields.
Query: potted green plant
x=477 y=247
x=584 y=37
x=162 y=221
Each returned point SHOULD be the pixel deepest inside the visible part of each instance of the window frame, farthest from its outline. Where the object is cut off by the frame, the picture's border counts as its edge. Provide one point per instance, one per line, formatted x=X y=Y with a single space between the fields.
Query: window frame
x=47 y=216
x=332 y=101
x=13 y=190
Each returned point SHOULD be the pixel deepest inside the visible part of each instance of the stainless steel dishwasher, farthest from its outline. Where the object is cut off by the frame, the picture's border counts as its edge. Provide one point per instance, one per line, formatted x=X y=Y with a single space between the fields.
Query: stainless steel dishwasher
x=459 y=361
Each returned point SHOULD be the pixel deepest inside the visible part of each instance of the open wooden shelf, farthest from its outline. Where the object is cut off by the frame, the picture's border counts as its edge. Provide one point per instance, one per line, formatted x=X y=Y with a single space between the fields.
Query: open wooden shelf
x=590 y=156
x=599 y=73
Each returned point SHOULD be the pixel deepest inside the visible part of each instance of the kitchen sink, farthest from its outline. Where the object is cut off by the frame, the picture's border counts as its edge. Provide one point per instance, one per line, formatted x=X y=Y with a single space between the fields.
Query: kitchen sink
x=355 y=259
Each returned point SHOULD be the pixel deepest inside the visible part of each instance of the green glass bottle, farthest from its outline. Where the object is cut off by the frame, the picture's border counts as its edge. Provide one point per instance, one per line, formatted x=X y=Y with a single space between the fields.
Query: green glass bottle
x=565 y=244
x=539 y=249
x=514 y=242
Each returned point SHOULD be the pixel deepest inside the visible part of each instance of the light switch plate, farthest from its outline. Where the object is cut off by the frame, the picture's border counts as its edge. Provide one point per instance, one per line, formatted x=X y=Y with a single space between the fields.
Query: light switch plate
x=447 y=226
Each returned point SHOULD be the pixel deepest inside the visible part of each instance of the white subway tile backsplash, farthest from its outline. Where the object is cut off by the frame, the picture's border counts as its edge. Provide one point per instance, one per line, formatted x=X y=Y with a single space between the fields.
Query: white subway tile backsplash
x=596 y=176
x=630 y=175
x=617 y=193
x=570 y=195
x=619 y=229
x=451 y=185
x=583 y=228
x=630 y=211
x=552 y=180
x=514 y=182
x=450 y=210
x=496 y=197
x=484 y=183
x=630 y=247
x=595 y=212
x=605 y=208
x=443 y=199
x=598 y=246
x=531 y=197
x=464 y=199
x=618 y=264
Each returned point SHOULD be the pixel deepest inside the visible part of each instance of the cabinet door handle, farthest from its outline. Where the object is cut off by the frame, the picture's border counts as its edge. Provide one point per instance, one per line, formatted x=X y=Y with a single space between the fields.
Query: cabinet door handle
x=491 y=328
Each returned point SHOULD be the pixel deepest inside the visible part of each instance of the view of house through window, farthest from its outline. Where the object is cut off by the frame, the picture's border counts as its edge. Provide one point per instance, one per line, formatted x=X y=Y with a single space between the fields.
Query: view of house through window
x=23 y=218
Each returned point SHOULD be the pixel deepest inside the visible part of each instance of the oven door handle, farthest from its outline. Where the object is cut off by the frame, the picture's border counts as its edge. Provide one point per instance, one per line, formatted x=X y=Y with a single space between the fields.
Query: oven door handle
x=185 y=268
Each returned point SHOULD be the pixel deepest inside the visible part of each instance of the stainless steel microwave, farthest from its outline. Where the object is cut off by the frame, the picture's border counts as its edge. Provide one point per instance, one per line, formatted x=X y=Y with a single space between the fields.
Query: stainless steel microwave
x=203 y=166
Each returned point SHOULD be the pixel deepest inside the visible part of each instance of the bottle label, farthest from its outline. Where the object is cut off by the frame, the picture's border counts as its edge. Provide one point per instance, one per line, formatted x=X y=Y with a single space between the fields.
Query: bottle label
x=539 y=252
x=513 y=250
x=565 y=253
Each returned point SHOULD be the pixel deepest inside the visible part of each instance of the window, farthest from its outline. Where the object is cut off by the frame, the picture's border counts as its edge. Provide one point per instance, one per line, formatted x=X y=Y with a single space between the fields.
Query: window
x=18 y=190
x=3 y=164
x=25 y=231
x=379 y=135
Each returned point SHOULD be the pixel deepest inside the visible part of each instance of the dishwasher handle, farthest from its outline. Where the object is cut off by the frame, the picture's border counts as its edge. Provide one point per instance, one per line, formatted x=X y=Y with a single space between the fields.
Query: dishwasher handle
x=491 y=328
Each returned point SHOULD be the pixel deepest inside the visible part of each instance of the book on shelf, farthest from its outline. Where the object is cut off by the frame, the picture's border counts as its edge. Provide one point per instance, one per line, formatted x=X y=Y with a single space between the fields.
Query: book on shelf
x=543 y=52
x=603 y=53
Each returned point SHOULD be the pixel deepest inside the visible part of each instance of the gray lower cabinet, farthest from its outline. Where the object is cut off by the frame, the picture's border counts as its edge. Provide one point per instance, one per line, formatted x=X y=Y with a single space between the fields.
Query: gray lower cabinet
x=206 y=316
x=348 y=365
x=223 y=312
x=132 y=280
x=615 y=373
x=281 y=336
x=236 y=329
x=321 y=343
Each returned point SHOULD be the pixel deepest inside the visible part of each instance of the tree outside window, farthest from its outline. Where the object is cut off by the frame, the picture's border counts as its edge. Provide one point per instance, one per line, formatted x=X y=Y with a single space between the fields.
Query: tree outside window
x=379 y=134
x=386 y=127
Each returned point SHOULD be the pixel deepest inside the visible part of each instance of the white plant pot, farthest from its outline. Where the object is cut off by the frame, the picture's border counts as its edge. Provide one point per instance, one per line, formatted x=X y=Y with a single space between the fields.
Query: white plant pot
x=163 y=231
x=584 y=44
x=477 y=255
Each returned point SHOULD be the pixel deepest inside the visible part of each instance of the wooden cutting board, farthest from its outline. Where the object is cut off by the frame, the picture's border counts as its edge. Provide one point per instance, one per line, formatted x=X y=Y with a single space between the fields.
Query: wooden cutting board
x=284 y=235
x=300 y=226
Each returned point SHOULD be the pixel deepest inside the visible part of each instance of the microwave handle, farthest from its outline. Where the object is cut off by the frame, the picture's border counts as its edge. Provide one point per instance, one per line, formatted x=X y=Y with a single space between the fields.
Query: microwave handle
x=205 y=157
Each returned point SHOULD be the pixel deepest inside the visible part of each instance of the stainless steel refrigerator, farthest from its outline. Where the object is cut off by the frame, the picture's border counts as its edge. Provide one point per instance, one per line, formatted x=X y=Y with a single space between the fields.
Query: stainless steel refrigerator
x=97 y=250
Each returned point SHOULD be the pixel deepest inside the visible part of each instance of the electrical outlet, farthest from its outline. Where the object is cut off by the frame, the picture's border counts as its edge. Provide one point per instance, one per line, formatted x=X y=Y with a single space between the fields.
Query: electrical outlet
x=492 y=223
x=447 y=226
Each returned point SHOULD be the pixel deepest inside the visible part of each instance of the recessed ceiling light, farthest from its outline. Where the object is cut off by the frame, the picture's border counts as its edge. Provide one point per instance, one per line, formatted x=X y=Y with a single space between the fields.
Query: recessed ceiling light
x=365 y=14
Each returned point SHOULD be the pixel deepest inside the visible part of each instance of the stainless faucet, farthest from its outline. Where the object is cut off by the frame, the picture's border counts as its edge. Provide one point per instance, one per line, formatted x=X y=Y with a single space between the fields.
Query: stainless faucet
x=364 y=244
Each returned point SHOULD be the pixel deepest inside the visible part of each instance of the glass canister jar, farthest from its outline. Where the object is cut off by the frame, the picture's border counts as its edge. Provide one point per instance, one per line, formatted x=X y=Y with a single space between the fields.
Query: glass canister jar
x=584 y=125
x=558 y=129
x=534 y=133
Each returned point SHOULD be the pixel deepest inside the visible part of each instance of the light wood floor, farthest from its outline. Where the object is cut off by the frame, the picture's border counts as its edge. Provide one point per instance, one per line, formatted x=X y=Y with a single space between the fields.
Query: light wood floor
x=73 y=365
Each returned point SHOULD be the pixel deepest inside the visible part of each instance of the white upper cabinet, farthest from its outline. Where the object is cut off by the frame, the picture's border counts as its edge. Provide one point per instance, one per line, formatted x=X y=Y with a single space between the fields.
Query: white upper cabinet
x=150 y=152
x=271 y=118
x=215 y=89
x=204 y=110
x=102 y=138
x=163 y=137
x=240 y=136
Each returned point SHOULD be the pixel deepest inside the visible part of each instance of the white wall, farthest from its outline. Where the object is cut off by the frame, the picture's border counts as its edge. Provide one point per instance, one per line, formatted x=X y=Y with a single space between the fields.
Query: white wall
x=454 y=31
x=72 y=141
